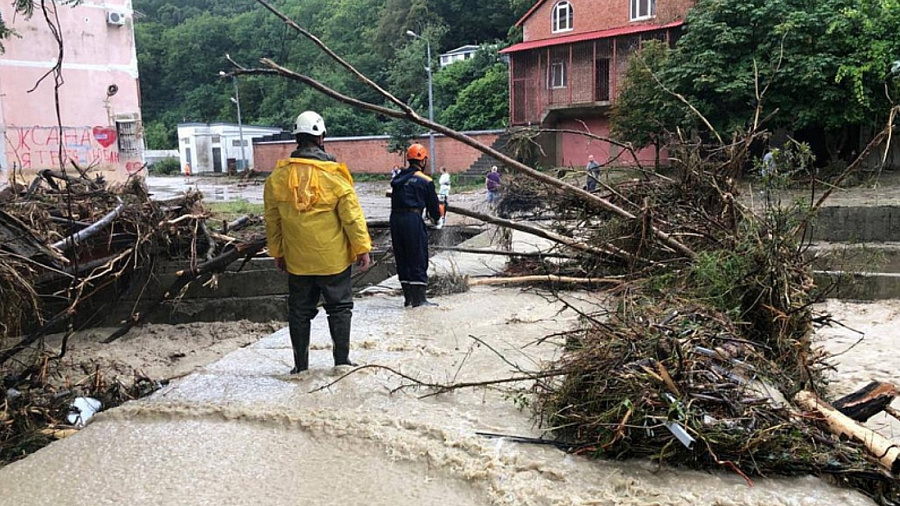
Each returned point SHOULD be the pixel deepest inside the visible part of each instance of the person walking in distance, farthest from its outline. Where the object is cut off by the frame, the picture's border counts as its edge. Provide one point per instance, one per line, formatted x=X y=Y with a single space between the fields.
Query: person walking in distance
x=412 y=192
x=593 y=173
x=444 y=183
x=315 y=230
x=492 y=184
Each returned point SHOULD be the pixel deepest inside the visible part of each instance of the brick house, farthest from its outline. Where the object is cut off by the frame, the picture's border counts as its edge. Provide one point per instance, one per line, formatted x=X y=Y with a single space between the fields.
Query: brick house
x=567 y=71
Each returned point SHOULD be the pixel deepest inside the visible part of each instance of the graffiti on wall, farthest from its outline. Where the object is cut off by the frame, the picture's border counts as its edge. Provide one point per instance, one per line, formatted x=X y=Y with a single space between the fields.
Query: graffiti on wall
x=38 y=147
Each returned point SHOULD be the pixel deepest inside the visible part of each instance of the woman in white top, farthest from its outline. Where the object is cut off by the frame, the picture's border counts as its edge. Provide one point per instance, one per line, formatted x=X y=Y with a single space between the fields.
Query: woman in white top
x=444 y=181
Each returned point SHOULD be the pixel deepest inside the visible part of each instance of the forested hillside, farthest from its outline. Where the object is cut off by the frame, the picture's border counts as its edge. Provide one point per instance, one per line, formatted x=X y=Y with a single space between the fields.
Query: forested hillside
x=182 y=46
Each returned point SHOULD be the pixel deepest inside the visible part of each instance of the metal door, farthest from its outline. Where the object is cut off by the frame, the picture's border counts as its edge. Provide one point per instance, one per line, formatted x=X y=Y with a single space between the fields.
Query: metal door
x=217 y=160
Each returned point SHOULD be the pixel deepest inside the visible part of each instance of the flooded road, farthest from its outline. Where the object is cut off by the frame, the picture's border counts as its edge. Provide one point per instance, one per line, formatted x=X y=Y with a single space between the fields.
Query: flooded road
x=244 y=432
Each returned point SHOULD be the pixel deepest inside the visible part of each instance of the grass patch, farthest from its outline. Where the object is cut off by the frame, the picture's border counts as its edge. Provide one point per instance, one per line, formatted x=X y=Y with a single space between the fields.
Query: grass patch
x=369 y=177
x=232 y=209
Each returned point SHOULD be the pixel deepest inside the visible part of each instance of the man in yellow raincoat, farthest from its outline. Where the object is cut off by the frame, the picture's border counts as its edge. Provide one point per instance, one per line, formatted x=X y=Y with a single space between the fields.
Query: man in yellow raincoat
x=316 y=230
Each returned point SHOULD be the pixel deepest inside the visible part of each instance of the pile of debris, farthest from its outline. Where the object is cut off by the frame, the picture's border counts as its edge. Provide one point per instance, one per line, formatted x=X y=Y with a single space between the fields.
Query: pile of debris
x=70 y=246
x=704 y=357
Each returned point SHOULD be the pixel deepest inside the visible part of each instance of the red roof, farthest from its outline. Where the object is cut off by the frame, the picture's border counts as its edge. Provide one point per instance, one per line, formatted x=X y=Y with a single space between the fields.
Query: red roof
x=581 y=37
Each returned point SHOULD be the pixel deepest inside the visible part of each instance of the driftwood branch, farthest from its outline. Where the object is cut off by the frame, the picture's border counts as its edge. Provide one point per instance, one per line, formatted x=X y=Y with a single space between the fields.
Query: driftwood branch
x=75 y=239
x=879 y=447
x=440 y=388
x=867 y=401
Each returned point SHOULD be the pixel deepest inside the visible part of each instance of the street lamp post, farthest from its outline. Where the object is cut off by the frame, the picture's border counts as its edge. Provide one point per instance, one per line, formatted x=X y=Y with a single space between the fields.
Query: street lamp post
x=430 y=98
x=237 y=101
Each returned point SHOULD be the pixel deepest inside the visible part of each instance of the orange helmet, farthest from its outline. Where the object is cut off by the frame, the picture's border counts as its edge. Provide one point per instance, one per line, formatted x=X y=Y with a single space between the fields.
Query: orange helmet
x=416 y=152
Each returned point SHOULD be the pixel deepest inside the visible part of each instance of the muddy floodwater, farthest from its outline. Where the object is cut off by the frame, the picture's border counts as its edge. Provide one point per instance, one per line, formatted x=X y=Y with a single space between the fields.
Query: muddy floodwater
x=243 y=432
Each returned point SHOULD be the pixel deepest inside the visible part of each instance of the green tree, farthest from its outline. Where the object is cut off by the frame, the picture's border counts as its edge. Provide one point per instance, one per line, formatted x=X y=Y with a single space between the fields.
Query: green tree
x=644 y=113
x=157 y=135
x=821 y=68
x=483 y=104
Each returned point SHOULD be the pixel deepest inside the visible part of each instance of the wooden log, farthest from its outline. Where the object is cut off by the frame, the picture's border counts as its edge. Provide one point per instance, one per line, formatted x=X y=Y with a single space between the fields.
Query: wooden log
x=879 y=447
x=479 y=251
x=17 y=238
x=867 y=401
x=543 y=278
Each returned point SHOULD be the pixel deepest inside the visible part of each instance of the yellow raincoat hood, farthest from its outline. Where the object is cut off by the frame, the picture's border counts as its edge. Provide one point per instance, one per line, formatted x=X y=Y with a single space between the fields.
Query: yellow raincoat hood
x=313 y=217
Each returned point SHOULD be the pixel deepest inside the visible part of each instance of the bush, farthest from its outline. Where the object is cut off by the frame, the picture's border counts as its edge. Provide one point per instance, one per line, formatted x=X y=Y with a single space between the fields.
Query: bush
x=166 y=167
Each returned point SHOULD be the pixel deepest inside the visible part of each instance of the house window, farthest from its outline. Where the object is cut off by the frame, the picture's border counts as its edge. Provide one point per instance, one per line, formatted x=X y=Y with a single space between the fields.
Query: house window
x=642 y=9
x=558 y=74
x=562 y=17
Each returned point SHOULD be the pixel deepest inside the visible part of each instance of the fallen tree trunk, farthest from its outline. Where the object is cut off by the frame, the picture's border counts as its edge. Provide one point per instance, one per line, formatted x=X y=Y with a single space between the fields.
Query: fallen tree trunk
x=543 y=278
x=608 y=251
x=867 y=401
x=478 y=251
x=879 y=447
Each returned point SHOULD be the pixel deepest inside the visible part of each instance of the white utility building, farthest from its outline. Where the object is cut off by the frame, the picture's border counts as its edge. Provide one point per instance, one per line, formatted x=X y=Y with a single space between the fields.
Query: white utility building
x=216 y=147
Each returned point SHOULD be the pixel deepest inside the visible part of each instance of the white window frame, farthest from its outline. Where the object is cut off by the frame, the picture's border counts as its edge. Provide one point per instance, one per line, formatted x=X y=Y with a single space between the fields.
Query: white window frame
x=642 y=9
x=560 y=10
x=557 y=76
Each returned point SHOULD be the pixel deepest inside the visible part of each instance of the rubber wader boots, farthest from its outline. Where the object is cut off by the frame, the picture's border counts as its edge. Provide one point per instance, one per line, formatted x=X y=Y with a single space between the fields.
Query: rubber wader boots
x=407 y=300
x=300 y=343
x=417 y=294
x=339 y=325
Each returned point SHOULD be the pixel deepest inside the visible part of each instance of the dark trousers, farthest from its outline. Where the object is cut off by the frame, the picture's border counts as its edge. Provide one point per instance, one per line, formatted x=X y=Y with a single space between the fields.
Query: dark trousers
x=410 y=242
x=303 y=300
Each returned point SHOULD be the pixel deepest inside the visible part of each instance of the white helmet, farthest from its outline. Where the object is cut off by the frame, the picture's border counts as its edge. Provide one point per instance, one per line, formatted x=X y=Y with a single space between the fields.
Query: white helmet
x=309 y=122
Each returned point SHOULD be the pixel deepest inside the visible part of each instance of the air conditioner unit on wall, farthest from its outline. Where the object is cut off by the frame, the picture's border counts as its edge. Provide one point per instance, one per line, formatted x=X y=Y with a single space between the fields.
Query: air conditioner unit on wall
x=115 y=18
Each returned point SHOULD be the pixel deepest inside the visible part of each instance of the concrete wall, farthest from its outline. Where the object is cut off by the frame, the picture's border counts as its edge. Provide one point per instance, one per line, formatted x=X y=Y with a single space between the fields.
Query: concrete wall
x=857 y=224
x=370 y=155
x=99 y=128
x=594 y=15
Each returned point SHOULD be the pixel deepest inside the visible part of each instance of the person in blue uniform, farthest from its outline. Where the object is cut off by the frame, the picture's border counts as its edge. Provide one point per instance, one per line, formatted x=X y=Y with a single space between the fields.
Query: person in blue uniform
x=412 y=192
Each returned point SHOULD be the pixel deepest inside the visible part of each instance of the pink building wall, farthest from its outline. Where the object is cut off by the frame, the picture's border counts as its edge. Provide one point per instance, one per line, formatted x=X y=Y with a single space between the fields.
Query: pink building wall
x=100 y=129
x=369 y=155
x=575 y=148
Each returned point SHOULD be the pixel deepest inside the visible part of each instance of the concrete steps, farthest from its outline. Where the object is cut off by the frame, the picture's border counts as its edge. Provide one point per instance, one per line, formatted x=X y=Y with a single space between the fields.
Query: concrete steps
x=856 y=253
x=476 y=172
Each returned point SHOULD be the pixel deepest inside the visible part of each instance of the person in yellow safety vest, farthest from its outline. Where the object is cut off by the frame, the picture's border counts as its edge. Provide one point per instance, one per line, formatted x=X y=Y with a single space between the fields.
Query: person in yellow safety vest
x=316 y=230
